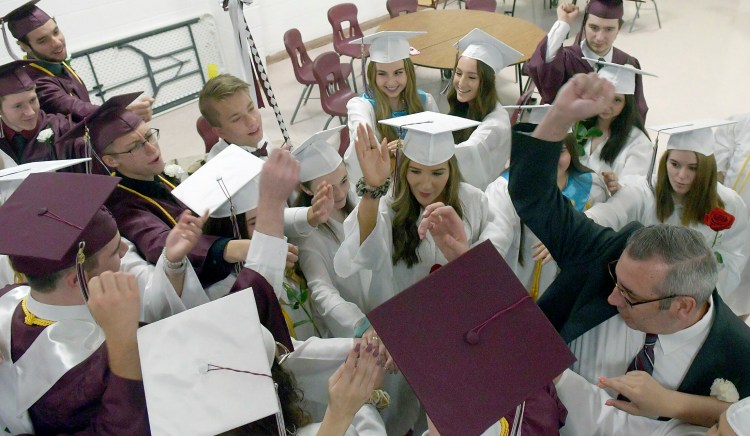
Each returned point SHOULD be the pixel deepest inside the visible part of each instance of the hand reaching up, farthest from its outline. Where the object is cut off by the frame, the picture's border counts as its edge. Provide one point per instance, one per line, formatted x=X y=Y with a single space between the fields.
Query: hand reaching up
x=184 y=236
x=374 y=161
x=446 y=229
x=322 y=205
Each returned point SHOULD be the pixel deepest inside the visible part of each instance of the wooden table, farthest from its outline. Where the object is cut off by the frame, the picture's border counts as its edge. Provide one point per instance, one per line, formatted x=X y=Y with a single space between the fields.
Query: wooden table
x=445 y=27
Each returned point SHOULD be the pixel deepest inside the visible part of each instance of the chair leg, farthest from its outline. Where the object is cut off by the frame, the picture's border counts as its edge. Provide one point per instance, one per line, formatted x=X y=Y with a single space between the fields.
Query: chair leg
x=299 y=103
x=635 y=17
x=656 y=8
x=309 y=91
x=342 y=121
x=327 y=123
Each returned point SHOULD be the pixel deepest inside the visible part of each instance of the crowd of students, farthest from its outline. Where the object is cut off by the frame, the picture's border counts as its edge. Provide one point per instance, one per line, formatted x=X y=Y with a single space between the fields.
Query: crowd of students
x=639 y=263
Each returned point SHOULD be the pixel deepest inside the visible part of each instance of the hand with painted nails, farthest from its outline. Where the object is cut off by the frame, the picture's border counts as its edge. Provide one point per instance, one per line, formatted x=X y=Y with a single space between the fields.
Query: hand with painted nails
x=446 y=228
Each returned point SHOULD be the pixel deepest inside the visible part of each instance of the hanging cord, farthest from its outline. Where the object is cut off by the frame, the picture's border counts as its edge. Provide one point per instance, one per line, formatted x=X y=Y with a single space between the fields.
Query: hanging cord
x=232 y=218
x=7 y=42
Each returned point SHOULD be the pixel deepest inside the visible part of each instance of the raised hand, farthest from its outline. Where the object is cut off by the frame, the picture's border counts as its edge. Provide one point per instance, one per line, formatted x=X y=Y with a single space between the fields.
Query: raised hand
x=322 y=205
x=446 y=229
x=647 y=397
x=371 y=337
x=540 y=252
x=610 y=179
x=143 y=108
x=279 y=176
x=374 y=161
x=567 y=12
x=352 y=384
x=292 y=255
x=184 y=236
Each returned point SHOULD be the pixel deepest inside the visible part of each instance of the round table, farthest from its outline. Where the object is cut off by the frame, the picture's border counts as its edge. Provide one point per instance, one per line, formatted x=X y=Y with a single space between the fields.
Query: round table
x=445 y=27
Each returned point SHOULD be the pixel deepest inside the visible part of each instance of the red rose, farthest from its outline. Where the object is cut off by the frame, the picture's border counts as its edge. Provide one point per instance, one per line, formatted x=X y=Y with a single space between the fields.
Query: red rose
x=718 y=219
x=435 y=268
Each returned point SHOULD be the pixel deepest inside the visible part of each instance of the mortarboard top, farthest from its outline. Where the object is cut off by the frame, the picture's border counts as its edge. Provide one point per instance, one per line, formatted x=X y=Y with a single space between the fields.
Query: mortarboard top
x=536 y=111
x=428 y=138
x=316 y=156
x=484 y=47
x=691 y=135
x=738 y=416
x=22 y=171
x=186 y=391
x=14 y=79
x=50 y=214
x=234 y=173
x=608 y=9
x=25 y=18
x=491 y=331
x=622 y=76
x=107 y=123
x=387 y=46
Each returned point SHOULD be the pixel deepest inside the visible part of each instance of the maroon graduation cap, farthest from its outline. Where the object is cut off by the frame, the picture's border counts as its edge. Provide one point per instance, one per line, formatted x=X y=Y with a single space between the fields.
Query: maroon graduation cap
x=107 y=123
x=470 y=341
x=50 y=214
x=606 y=8
x=14 y=79
x=25 y=18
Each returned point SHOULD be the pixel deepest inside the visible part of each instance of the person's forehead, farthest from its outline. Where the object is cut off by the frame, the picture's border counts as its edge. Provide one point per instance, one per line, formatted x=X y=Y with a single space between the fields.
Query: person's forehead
x=239 y=101
x=19 y=96
x=392 y=66
x=602 y=22
x=133 y=135
x=640 y=277
x=42 y=31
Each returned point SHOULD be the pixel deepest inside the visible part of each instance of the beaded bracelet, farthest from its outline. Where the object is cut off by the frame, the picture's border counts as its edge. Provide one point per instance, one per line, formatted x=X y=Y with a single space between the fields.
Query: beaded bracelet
x=372 y=192
x=174 y=267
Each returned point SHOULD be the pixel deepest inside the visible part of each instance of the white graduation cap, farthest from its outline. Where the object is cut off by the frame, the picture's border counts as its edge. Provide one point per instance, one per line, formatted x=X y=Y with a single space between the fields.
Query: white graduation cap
x=484 y=47
x=622 y=76
x=387 y=46
x=233 y=173
x=22 y=171
x=203 y=375
x=694 y=136
x=317 y=156
x=738 y=416
x=536 y=111
x=428 y=138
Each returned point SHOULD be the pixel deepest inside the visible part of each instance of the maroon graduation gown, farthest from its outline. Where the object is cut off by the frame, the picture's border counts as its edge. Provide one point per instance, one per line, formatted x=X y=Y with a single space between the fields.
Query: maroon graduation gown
x=549 y=77
x=36 y=151
x=147 y=226
x=61 y=93
x=544 y=413
x=89 y=399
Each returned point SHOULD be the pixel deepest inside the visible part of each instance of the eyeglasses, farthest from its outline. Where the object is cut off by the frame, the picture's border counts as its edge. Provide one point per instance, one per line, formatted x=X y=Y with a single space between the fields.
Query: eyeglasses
x=624 y=292
x=151 y=137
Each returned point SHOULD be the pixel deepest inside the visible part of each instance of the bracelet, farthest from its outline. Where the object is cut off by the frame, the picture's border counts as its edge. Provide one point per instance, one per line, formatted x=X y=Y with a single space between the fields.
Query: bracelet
x=372 y=191
x=380 y=399
x=174 y=267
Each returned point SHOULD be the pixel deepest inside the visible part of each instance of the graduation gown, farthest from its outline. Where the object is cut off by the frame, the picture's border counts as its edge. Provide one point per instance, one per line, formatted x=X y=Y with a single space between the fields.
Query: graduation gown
x=60 y=90
x=549 y=77
x=361 y=110
x=87 y=398
x=576 y=301
x=483 y=156
x=631 y=164
x=636 y=202
x=36 y=150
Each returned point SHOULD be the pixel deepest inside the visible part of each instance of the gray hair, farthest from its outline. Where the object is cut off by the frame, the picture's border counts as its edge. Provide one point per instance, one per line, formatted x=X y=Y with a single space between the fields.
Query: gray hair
x=693 y=270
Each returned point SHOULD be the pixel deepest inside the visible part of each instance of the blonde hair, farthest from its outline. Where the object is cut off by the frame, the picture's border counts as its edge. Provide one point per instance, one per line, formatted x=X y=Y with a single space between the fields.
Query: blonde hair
x=217 y=89
x=701 y=198
x=409 y=95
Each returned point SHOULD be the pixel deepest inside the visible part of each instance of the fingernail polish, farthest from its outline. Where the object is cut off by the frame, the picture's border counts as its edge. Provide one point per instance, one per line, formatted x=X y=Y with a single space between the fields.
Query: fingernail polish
x=356 y=347
x=376 y=353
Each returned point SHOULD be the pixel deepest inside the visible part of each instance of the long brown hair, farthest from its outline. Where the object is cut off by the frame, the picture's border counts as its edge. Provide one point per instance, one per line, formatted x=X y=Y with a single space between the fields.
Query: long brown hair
x=481 y=105
x=620 y=129
x=407 y=210
x=701 y=198
x=409 y=95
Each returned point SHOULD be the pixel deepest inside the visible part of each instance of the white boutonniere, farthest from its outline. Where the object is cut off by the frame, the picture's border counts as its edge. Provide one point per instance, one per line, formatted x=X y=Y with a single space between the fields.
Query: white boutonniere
x=174 y=170
x=45 y=135
x=724 y=390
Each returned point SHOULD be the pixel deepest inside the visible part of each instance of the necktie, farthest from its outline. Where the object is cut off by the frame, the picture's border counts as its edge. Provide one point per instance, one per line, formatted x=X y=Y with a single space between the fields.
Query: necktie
x=644 y=360
x=599 y=66
x=20 y=143
x=261 y=152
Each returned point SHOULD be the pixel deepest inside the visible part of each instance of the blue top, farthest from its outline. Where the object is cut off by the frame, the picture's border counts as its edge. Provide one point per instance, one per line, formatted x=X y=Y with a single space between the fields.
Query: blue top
x=577 y=190
x=395 y=114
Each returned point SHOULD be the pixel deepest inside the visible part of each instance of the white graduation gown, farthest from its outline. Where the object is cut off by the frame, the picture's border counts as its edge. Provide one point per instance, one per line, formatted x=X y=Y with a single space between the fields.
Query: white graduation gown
x=637 y=203
x=359 y=110
x=339 y=301
x=375 y=253
x=483 y=156
x=631 y=164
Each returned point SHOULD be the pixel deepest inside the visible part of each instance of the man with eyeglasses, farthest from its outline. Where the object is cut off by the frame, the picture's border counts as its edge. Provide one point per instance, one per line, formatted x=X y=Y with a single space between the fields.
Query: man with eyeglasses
x=638 y=307
x=60 y=89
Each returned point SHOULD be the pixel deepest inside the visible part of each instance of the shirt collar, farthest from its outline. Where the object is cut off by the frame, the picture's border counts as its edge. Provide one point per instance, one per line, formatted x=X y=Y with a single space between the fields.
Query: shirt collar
x=672 y=342
x=591 y=55
x=58 y=313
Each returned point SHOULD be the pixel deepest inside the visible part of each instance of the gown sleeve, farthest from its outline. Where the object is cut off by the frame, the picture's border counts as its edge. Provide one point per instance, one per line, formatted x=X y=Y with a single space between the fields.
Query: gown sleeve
x=484 y=155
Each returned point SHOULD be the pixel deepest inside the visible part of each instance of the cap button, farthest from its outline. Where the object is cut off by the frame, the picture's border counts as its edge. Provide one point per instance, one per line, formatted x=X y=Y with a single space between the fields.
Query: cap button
x=472 y=337
x=42 y=211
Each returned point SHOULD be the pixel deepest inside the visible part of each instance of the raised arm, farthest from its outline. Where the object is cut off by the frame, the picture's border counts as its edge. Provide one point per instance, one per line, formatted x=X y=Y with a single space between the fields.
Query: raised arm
x=376 y=167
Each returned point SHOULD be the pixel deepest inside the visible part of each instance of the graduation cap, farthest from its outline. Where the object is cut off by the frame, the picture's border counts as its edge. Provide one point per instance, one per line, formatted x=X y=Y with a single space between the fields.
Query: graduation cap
x=53 y=219
x=483 y=326
x=387 y=46
x=738 y=416
x=225 y=185
x=24 y=19
x=20 y=172
x=536 y=111
x=606 y=8
x=622 y=76
x=428 y=138
x=205 y=376
x=14 y=79
x=484 y=47
x=110 y=121
x=694 y=136
x=316 y=156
